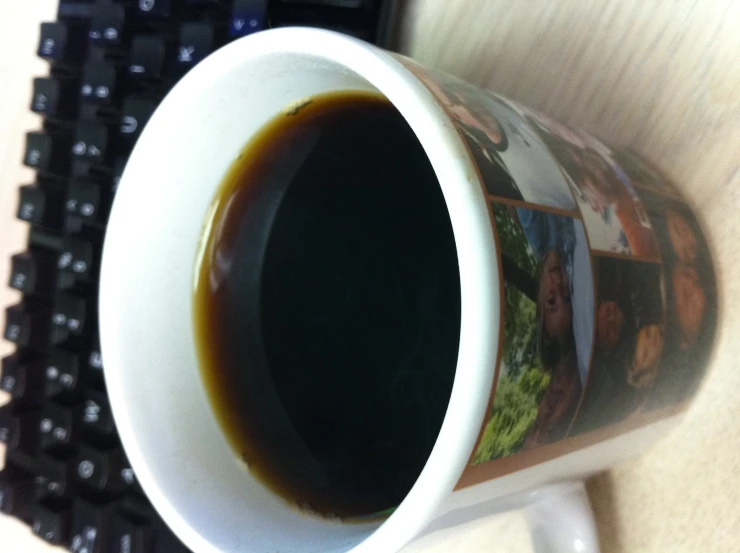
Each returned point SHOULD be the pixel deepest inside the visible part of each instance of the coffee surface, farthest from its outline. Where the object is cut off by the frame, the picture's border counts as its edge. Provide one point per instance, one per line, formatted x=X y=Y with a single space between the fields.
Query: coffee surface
x=327 y=305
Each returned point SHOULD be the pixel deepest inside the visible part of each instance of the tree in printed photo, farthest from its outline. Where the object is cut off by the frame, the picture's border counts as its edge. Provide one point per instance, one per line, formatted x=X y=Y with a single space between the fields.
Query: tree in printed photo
x=522 y=380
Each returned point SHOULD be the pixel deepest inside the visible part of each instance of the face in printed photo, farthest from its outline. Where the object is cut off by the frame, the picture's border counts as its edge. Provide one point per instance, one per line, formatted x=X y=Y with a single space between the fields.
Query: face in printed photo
x=512 y=159
x=548 y=330
x=629 y=343
x=682 y=237
x=615 y=219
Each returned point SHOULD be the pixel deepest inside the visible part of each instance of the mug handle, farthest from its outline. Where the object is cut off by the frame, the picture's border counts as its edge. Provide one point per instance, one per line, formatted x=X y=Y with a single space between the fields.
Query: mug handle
x=561 y=520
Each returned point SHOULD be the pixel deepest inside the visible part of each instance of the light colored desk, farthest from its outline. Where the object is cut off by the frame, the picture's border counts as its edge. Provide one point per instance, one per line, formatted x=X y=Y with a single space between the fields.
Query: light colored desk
x=661 y=76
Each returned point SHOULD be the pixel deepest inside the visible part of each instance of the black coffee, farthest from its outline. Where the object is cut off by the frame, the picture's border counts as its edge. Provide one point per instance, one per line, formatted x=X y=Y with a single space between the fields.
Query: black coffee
x=327 y=306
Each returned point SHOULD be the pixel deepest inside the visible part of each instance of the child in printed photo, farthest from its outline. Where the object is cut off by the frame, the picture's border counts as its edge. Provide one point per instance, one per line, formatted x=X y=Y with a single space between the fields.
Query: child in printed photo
x=548 y=330
x=499 y=136
x=615 y=218
x=691 y=298
x=630 y=323
x=481 y=131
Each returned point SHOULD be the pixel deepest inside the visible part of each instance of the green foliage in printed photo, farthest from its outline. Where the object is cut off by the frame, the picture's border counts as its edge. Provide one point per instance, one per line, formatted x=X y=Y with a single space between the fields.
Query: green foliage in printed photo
x=522 y=381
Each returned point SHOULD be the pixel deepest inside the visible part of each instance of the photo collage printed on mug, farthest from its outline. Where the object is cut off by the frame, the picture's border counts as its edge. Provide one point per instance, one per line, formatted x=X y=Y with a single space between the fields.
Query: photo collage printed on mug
x=609 y=293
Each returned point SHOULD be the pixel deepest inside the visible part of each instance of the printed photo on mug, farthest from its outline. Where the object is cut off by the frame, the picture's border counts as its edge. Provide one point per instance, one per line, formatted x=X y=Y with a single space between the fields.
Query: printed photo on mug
x=548 y=329
x=513 y=161
x=611 y=208
x=628 y=343
x=691 y=298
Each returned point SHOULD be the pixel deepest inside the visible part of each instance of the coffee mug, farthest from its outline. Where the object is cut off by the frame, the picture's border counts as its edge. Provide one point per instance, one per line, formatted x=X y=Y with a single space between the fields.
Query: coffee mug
x=588 y=303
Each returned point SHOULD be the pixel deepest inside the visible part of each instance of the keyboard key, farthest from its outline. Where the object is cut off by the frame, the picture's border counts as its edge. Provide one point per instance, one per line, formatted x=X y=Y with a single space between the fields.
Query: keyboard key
x=90 y=143
x=129 y=536
x=41 y=205
x=98 y=84
x=108 y=25
x=19 y=432
x=55 y=479
x=69 y=318
x=196 y=42
x=96 y=414
x=58 y=428
x=22 y=380
x=63 y=375
x=148 y=55
x=6 y=421
x=51 y=525
x=128 y=476
x=247 y=17
x=33 y=272
x=154 y=8
x=79 y=258
x=61 y=40
x=100 y=470
x=91 y=526
x=55 y=97
x=16 y=496
x=26 y=327
x=94 y=357
x=85 y=199
x=47 y=152
x=136 y=114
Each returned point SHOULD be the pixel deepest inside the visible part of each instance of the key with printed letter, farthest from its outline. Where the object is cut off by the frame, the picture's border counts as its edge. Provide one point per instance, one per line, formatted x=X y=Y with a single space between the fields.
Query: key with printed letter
x=58 y=429
x=41 y=204
x=155 y=8
x=247 y=17
x=197 y=40
x=63 y=374
x=51 y=524
x=91 y=525
x=55 y=97
x=69 y=318
x=22 y=379
x=90 y=143
x=100 y=469
x=96 y=414
x=131 y=536
x=62 y=41
x=48 y=152
x=19 y=431
x=27 y=326
x=98 y=84
x=108 y=25
x=56 y=477
x=33 y=272
x=79 y=261
x=136 y=114
x=87 y=200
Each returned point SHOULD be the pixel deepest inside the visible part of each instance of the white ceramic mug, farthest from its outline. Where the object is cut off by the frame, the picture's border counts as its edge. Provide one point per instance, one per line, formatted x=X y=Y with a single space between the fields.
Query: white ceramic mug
x=170 y=434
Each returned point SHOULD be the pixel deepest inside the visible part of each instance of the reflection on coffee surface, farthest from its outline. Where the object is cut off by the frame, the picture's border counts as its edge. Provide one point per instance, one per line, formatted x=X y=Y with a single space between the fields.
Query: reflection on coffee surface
x=327 y=305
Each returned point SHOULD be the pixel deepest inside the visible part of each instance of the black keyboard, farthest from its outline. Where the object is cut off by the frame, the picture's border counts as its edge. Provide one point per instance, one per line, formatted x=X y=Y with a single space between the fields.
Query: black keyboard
x=111 y=63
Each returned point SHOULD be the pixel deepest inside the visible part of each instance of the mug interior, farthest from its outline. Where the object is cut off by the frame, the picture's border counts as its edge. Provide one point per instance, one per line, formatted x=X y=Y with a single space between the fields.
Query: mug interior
x=171 y=436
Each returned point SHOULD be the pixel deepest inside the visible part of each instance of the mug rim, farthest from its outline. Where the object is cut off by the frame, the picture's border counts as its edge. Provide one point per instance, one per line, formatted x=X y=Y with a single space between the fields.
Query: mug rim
x=469 y=212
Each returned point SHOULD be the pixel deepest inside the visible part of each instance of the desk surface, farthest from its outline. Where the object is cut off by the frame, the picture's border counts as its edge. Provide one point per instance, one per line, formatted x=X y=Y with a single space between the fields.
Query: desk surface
x=661 y=76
